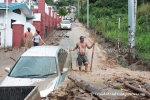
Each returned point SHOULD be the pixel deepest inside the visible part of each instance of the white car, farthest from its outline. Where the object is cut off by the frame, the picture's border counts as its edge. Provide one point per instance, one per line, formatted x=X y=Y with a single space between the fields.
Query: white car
x=42 y=66
x=68 y=18
x=65 y=24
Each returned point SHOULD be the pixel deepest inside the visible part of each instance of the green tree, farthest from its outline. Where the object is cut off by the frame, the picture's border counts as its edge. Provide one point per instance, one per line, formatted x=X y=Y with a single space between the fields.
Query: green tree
x=62 y=12
x=62 y=3
x=50 y=2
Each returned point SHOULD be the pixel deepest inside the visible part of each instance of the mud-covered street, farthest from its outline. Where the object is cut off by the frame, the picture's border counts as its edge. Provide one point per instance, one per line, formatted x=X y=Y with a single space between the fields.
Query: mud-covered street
x=106 y=72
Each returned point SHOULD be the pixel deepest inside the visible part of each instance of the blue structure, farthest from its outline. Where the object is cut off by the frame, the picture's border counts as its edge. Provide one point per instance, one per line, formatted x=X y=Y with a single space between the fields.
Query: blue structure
x=13 y=6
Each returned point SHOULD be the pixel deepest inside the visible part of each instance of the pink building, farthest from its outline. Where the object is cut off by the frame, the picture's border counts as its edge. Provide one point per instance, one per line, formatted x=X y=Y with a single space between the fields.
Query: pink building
x=45 y=18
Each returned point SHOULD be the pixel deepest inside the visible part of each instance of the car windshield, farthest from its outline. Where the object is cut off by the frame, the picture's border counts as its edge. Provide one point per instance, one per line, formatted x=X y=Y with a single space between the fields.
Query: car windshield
x=68 y=17
x=65 y=22
x=39 y=67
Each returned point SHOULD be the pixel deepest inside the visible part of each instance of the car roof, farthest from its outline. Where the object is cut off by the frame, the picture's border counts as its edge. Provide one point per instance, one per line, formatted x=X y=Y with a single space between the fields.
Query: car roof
x=66 y=20
x=50 y=51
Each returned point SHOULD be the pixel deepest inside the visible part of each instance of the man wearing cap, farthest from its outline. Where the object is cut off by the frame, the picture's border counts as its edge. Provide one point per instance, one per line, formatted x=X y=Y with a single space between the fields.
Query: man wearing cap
x=82 y=57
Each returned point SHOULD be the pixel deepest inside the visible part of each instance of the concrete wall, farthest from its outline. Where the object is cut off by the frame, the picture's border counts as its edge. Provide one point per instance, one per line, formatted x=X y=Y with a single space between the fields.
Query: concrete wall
x=18 y=29
x=1 y=1
x=2 y=29
x=9 y=36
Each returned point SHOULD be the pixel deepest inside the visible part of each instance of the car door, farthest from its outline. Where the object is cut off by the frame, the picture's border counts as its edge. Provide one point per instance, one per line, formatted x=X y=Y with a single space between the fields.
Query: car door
x=64 y=60
x=62 y=63
x=61 y=59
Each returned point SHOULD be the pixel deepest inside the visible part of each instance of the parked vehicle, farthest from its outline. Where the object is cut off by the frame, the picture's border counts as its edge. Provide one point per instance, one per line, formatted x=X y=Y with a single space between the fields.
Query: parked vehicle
x=65 y=24
x=68 y=18
x=42 y=66
x=19 y=93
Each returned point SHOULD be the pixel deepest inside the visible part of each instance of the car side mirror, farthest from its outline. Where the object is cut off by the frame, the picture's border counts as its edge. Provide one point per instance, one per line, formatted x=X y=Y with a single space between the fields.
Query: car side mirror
x=7 y=70
x=64 y=70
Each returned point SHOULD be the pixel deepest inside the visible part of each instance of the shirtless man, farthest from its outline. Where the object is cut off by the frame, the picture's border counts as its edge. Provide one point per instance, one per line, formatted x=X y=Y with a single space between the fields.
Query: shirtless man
x=82 y=57
x=28 y=39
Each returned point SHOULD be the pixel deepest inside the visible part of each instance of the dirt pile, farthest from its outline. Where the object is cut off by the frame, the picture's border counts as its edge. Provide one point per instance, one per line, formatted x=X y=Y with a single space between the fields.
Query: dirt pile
x=69 y=91
x=55 y=37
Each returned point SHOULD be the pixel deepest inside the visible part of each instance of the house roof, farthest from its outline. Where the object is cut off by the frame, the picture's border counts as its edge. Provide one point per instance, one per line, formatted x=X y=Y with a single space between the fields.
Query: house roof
x=22 y=6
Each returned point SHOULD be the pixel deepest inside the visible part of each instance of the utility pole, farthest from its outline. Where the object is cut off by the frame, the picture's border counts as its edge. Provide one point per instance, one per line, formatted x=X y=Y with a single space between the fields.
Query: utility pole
x=118 y=33
x=87 y=13
x=132 y=10
x=78 y=7
x=6 y=17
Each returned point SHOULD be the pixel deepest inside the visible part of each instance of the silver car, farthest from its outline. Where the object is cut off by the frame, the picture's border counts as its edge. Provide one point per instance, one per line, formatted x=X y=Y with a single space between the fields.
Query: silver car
x=42 y=66
x=65 y=24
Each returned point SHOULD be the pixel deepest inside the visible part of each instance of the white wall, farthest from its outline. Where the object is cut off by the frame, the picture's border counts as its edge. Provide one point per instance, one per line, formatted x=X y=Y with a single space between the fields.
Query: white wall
x=46 y=9
x=2 y=27
x=9 y=35
x=1 y=1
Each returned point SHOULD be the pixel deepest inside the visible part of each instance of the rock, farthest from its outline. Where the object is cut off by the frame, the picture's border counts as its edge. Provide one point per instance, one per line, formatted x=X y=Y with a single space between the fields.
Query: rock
x=147 y=86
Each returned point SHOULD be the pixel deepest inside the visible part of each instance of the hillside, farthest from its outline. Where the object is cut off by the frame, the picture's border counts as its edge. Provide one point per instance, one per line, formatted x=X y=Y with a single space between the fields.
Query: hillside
x=104 y=16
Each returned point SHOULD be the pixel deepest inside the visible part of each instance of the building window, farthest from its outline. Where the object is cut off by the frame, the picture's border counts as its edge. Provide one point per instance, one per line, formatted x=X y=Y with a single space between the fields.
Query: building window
x=18 y=11
x=12 y=21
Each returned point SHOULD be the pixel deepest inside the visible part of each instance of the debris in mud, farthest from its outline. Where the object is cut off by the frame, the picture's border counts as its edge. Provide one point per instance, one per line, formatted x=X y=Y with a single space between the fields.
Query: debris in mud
x=13 y=59
x=69 y=91
x=54 y=39
x=66 y=36
x=137 y=87
x=111 y=62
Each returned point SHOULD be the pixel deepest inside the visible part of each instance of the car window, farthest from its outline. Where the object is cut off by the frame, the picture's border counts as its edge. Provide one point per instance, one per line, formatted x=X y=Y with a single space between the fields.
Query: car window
x=62 y=56
x=34 y=67
x=66 y=22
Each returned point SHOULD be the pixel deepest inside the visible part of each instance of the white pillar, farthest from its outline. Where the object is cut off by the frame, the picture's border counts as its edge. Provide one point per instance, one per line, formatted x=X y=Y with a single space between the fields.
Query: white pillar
x=132 y=10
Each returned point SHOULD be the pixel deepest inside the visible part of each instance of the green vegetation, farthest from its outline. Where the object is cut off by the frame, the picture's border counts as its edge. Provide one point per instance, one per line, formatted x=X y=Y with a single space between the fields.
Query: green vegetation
x=62 y=12
x=118 y=87
x=104 y=15
x=50 y=2
x=59 y=3
x=63 y=3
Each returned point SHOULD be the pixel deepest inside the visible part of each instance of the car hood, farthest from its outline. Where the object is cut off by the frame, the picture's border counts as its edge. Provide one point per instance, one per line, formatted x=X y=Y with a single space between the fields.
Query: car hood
x=65 y=24
x=45 y=85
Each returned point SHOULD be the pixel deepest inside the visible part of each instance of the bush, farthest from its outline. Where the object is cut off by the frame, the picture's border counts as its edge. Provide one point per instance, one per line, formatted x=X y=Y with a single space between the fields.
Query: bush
x=104 y=16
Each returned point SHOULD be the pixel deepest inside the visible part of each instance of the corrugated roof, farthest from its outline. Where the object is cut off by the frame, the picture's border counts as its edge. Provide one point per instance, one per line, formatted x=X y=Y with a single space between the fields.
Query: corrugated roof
x=21 y=6
x=50 y=51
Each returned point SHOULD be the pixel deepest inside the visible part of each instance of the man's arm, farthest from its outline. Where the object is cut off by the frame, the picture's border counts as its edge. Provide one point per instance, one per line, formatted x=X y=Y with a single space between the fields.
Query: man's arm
x=42 y=41
x=89 y=47
x=75 y=48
